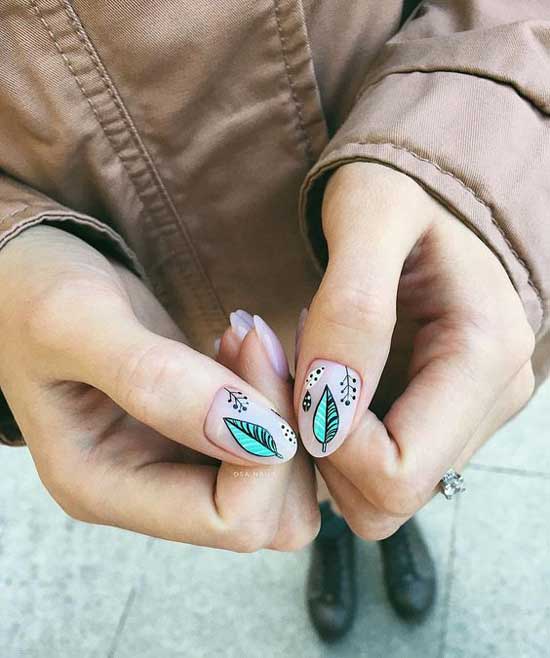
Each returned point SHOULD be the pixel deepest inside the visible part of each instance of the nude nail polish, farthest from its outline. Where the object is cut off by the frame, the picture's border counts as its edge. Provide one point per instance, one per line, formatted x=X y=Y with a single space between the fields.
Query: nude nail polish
x=240 y=323
x=327 y=406
x=247 y=429
x=272 y=346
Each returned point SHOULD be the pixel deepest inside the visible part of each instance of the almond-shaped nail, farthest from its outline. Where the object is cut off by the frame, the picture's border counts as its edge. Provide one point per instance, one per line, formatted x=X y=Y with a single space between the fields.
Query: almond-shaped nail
x=240 y=324
x=272 y=346
x=248 y=429
x=245 y=315
x=327 y=406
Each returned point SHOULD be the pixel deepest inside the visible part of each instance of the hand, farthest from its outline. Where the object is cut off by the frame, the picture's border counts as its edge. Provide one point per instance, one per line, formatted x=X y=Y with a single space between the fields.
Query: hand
x=112 y=405
x=414 y=307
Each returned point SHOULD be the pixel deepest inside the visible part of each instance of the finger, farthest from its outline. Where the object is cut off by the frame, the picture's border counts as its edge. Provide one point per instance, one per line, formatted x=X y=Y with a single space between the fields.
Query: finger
x=459 y=370
x=165 y=384
x=348 y=329
x=374 y=521
x=364 y=518
x=117 y=471
x=299 y=513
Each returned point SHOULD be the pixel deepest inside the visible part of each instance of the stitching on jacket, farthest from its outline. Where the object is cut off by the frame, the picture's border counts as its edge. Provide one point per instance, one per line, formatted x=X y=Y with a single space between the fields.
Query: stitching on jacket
x=16 y=213
x=159 y=184
x=67 y=61
x=494 y=221
x=304 y=137
x=540 y=107
x=130 y=128
x=79 y=219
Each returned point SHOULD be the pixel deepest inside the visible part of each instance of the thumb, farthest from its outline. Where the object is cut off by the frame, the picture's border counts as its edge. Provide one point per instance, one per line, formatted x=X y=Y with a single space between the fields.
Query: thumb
x=371 y=221
x=170 y=387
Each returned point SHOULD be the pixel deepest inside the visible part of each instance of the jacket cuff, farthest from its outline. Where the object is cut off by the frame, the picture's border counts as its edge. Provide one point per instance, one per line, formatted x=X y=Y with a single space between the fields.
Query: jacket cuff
x=475 y=145
x=21 y=208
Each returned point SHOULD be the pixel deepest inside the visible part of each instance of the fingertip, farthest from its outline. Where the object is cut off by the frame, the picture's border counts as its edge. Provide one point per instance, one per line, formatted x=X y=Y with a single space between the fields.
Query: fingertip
x=248 y=429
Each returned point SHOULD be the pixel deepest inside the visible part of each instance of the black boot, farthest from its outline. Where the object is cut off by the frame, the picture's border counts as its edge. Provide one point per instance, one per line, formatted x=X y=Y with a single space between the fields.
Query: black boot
x=331 y=592
x=409 y=572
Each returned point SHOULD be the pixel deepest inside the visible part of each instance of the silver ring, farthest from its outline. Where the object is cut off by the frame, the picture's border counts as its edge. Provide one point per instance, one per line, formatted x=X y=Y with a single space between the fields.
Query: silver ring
x=451 y=483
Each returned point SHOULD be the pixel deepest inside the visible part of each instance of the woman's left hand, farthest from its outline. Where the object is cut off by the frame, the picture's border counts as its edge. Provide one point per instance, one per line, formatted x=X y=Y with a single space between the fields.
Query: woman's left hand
x=415 y=350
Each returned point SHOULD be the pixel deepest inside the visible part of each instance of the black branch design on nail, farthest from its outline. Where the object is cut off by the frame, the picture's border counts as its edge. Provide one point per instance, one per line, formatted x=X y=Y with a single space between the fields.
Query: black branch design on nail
x=237 y=400
x=348 y=390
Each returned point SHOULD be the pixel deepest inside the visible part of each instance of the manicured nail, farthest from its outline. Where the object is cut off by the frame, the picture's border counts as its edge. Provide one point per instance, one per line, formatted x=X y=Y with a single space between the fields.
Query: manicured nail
x=272 y=346
x=217 y=344
x=245 y=315
x=328 y=402
x=299 y=331
x=240 y=324
x=247 y=429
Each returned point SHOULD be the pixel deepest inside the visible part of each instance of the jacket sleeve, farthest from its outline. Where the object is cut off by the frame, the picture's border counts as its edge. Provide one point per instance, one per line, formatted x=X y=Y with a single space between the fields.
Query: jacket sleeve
x=22 y=207
x=459 y=99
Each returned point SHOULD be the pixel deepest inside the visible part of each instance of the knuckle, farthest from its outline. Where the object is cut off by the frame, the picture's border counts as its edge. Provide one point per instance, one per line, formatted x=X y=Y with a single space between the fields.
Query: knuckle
x=65 y=494
x=508 y=341
x=358 y=308
x=45 y=320
x=524 y=389
x=402 y=495
x=250 y=536
x=368 y=529
x=523 y=343
x=144 y=374
x=296 y=535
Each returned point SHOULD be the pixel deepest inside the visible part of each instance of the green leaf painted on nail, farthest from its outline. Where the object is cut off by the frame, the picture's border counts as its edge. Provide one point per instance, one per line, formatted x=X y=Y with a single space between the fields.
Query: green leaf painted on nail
x=253 y=438
x=326 y=419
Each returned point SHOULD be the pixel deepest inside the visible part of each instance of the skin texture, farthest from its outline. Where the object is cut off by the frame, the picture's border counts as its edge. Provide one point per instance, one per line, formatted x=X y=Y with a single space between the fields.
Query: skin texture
x=97 y=376
x=416 y=303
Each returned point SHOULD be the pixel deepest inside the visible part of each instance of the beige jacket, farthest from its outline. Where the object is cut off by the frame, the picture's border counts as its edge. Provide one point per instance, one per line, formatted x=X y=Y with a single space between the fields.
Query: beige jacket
x=192 y=138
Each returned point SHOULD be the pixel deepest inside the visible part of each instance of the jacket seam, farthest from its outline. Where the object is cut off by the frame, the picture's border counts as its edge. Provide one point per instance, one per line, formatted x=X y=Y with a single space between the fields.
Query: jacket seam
x=481 y=201
x=48 y=214
x=131 y=131
x=304 y=137
x=51 y=215
x=472 y=74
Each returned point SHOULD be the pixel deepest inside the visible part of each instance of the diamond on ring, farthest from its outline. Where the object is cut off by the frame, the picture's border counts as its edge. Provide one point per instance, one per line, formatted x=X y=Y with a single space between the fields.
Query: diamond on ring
x=451 y=484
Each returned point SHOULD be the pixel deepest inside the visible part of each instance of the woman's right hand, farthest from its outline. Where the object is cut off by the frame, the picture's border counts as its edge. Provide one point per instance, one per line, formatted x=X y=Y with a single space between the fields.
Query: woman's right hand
x=126 y=424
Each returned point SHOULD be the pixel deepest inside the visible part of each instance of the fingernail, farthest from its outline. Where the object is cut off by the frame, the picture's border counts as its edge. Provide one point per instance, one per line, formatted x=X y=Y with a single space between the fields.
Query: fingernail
x=240 y=324
x=327 y=406
x=245 y=315
x=272 y=346
x=217 y=344
x=247 y=429
x=299 y=331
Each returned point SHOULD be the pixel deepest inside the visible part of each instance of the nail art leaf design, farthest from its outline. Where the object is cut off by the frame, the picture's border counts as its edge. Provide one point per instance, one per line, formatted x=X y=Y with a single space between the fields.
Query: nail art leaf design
x=253 y=438
x=326 y=419
x=306 y=402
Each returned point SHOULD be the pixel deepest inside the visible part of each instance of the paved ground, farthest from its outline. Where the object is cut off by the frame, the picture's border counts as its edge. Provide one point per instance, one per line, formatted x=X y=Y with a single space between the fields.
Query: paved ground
x=69 y=590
